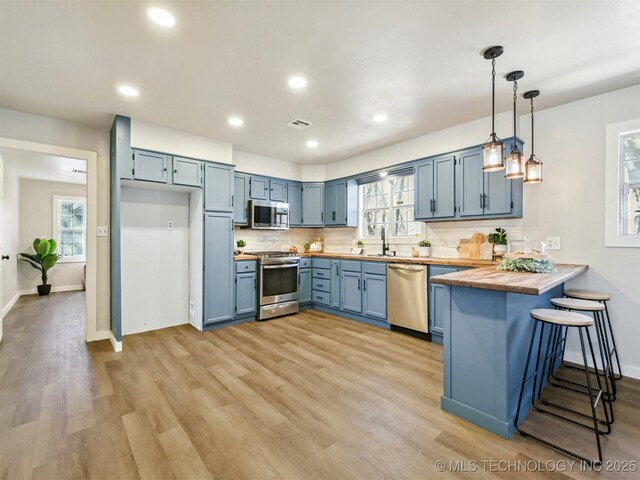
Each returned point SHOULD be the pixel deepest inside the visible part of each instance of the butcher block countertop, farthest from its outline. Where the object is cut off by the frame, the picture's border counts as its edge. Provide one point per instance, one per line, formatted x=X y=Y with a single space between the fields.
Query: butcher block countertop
x=454 y=262
x=489 y=278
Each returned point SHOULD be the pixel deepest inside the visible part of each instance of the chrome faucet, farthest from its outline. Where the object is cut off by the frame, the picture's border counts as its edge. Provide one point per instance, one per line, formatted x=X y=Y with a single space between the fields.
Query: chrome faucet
x=385 y=245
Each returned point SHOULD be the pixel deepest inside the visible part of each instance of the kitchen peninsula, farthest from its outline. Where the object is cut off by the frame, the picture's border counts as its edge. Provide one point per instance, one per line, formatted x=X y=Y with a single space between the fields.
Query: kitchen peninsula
x=486 y=338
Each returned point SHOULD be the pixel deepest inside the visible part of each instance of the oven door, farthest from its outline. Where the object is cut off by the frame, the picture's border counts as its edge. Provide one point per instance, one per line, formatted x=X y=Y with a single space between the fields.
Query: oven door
x=269 y=215
x=278 y=283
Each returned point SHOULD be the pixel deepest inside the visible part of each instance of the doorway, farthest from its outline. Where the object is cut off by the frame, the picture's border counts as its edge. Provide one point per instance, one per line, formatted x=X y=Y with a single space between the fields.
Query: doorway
x=49 y=191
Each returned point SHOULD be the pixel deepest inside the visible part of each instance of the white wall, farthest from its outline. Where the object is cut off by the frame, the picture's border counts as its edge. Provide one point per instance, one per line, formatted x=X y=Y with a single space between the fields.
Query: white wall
x=40 y=129
x=36 y=220
x=10 y=234
x=569 y=203
x=155 y=260
x=247 y=162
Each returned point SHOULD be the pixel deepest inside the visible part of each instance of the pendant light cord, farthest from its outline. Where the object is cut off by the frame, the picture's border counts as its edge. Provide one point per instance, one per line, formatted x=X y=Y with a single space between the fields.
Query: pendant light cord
x=515 y=99
x=493 y=97
x=532 y=150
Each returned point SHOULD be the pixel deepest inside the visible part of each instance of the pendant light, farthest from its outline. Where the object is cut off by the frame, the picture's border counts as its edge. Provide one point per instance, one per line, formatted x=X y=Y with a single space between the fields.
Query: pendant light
x=533 y=167
x=515 y=158
x=492 y=148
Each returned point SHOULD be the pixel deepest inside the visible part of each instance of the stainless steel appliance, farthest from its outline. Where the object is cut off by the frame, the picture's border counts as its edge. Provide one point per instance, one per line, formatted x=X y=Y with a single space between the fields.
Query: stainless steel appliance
x=407 y=298
x=278 y=284
x=267 y=215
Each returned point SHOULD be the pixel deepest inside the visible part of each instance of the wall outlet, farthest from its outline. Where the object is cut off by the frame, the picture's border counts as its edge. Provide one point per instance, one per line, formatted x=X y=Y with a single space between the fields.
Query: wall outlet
x=170 y=224
x=553 y=243
x=103 y=231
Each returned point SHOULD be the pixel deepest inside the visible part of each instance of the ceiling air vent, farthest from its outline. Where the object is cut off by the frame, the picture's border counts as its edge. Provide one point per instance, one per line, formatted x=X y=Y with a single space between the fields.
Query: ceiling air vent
x=299 y=124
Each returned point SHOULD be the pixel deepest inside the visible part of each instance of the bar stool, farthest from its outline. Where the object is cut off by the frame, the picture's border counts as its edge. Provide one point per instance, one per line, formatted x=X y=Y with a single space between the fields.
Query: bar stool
x=553 y=319
x=603 y=298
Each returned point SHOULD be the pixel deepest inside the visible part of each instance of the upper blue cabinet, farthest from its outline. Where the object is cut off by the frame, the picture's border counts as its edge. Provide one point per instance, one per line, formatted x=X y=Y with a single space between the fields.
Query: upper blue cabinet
x=187 y=171
x=218 y=188
x=294 y=197
x=277 y=190
x=263 y=188
x=240 y=199
x=435 y=188
x=313 y=205
x=341 y=203
x=151 y=166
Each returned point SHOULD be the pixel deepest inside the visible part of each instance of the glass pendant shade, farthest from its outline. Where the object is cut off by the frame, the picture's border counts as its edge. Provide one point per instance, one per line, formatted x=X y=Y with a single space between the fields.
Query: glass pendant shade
x=533 y=170
x=492 y=153
x=514 y=164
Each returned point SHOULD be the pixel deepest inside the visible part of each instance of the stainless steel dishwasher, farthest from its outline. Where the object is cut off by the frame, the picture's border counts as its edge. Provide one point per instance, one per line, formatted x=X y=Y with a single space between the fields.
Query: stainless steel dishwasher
x=407 y=298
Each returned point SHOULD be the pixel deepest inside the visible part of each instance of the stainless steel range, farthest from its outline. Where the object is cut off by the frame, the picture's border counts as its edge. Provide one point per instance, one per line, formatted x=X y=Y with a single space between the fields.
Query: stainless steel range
x=278 y=284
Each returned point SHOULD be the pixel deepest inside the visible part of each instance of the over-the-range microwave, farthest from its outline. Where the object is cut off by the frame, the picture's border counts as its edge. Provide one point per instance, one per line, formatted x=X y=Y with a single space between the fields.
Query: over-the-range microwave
x=267 y=215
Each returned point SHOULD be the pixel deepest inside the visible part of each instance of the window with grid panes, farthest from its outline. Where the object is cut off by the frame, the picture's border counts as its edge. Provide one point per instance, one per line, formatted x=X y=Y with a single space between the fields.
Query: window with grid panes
x=70 y=224
x=388 y=203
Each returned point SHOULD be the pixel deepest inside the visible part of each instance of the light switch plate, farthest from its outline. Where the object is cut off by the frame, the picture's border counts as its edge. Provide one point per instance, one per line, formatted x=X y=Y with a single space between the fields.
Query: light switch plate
x=553 y=243
x=103 y=231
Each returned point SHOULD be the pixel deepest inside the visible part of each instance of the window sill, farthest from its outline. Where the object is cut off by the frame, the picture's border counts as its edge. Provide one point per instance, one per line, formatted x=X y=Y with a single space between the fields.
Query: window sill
x=73 y=260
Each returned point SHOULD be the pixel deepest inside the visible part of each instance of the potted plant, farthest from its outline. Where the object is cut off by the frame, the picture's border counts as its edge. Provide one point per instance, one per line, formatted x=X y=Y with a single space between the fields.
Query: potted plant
x=241 y=244
x=425 y=248
x=499 y=241
x=43 y=260
x=307 y=246
x=360 y=245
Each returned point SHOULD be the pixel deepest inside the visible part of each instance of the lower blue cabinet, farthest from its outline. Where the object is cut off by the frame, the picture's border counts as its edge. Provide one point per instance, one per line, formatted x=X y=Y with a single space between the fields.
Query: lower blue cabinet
x=439 y=303
x=304 y=286
x=245 y=294
x=374 y=295
x=218 y=268
x=335 y=283
x=351 y=291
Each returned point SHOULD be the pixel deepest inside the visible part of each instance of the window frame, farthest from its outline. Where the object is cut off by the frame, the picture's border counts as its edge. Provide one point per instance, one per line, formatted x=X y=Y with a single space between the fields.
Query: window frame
x=57 y=201
x=398 y=239
x=615 y=185
x=624 y=186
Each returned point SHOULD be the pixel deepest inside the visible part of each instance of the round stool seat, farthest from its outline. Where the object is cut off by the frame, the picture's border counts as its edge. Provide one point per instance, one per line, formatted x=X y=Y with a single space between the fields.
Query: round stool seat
x=560 y=317
x=587 y=295
x=577 y=304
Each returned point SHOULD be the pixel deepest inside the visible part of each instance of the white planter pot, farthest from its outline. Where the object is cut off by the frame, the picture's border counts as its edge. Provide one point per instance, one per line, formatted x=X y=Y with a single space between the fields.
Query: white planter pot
x=499 y=249
x=425 y=251
x=240 y=249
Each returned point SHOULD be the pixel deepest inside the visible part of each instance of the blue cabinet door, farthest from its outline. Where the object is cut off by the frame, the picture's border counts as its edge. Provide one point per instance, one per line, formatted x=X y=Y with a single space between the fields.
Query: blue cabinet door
x=497 y=189
x=259 y=189
x=187 y=171
x=294 y=196
x=278 y=190
x=374 y=293
x=330 y=203
x=218 y=187
x=470 y=182
x=218 y=267
x=439 y=307
x=313 y=205
x=246 y=294
x=335 y=283
x=240 y=199
x=424 y=190
x=304 y=286
x=340 y=217
x=351 y=291
x=443 y=186
x=150 y=166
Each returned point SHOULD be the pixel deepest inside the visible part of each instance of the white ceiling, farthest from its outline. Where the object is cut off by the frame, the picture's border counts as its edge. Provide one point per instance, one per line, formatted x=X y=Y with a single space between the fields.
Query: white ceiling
x=39 y=166
x=418 y=62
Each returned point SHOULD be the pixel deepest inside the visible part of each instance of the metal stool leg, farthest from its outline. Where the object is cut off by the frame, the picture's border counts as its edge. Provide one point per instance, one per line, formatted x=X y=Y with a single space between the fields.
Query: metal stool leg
x=617 y=376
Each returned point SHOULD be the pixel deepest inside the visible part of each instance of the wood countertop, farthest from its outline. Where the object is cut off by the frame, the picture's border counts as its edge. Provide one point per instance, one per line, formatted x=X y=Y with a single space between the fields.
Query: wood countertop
x=454 y=262
x=489 y=278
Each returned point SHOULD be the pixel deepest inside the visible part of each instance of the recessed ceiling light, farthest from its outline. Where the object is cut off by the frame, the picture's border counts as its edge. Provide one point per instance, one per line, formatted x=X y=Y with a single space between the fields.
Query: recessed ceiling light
x=236 y=121
x=128 y=90
x=161 y=17
x=379 y=118
x=312 y=143
x=297 y=82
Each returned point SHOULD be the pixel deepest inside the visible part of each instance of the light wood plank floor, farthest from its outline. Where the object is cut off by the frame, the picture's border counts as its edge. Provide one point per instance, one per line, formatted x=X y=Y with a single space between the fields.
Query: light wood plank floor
x=305 y=396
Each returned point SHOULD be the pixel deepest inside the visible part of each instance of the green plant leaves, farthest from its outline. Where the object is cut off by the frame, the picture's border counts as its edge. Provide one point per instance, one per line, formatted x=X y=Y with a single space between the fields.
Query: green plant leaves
x=529 y=265
x=45 y=257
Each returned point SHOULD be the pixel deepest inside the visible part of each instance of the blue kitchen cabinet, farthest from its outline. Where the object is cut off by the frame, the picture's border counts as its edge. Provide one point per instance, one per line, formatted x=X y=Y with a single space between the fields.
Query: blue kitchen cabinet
x=341 y=203
x=351 y=291
x=304 y=286
x=294 y=197
x=444 y=186
x=423 y=187
x=312 y=204
x=439 y=303
x=497 y=189
x=218 y=268
x=150 y=166
x=218 y=188
x=241 y=198
x=259 y=188
x=278 y=190
x=187 y=171
x=470 y=183
x=245 y=294
x=374 y=295
x=335 y=283
x=330 y=203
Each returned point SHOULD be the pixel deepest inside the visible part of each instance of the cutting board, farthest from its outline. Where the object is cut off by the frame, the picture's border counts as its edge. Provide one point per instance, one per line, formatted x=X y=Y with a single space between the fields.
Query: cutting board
x=472 y=247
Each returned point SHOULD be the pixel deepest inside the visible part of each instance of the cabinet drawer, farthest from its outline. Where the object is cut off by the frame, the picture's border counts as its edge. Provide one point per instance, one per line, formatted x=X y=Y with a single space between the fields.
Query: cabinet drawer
x=322 y=263
x=321 y=297
x=245 y=266
x=376 y=268
x=322 y=284
x=351 y=266
x=321 y=273
x=305 y=263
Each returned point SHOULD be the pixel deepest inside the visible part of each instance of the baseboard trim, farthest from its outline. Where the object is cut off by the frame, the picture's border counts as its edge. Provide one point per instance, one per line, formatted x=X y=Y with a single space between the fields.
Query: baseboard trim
x=65 y=288
x=117 y=346
x=10 y=305
x=632 y=371
x=100 y=335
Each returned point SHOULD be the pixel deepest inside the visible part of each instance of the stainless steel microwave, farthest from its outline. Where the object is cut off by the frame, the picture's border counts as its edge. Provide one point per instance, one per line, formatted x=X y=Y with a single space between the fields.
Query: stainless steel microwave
x=267 y=215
